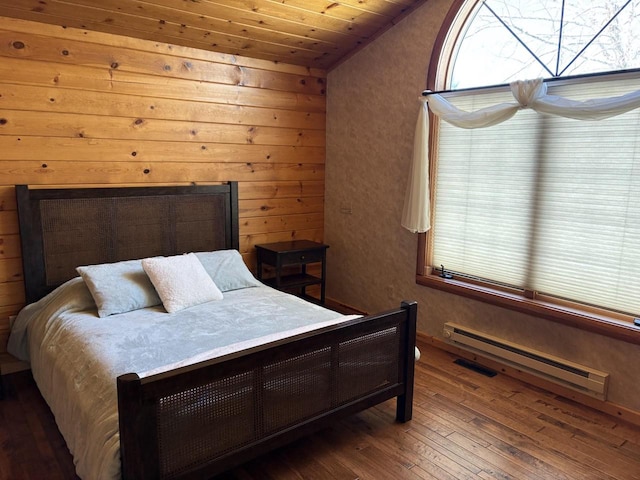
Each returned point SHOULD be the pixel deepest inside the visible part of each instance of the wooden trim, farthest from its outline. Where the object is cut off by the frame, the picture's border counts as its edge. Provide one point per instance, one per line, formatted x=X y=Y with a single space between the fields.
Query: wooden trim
x=573 y=317
x=422 y=254
x=433 y=74
x=434 y=79
x=618 y=411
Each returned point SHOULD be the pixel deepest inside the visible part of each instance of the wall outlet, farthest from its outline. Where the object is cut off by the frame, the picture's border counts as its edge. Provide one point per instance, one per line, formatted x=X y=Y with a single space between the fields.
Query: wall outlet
x=346 y=209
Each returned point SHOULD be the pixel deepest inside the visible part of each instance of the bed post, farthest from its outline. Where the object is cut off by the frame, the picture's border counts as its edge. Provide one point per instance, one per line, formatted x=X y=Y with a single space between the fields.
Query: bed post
x=30 y=241
x=234 y=227
x=404 y=407
x=138 y=449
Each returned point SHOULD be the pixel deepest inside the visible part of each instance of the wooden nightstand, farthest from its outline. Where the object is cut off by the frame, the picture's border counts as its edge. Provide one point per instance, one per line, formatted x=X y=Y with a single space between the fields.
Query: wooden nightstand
x=293 y=253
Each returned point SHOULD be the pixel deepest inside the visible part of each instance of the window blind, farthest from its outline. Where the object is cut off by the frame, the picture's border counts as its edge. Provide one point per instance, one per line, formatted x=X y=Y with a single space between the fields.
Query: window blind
x=544 y=203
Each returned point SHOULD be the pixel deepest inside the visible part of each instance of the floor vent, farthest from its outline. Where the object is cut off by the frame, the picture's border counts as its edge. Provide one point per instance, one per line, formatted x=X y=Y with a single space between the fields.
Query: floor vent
x=487 y=372
x=571 y=375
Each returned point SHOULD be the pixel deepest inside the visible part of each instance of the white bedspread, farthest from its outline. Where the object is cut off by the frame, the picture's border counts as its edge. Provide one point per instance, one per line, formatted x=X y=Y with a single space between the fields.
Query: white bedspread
x=76 y=356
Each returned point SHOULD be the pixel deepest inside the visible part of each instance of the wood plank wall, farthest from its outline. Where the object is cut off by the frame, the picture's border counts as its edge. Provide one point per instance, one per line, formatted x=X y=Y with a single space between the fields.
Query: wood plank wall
x=81 y=108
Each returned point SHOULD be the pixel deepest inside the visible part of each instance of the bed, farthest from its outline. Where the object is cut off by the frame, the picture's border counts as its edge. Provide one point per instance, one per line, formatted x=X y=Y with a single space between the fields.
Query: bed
x=177 y=409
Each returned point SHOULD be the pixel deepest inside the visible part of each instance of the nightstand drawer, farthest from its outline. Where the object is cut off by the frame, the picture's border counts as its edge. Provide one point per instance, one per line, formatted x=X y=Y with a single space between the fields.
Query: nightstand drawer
x=297 y=258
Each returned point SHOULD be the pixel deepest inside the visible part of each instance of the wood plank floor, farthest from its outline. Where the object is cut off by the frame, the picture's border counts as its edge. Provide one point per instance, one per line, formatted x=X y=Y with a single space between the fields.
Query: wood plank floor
x=465 y=426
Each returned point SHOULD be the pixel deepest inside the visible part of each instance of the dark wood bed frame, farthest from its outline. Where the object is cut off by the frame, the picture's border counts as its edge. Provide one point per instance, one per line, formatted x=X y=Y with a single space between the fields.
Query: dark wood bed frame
x=201 y=420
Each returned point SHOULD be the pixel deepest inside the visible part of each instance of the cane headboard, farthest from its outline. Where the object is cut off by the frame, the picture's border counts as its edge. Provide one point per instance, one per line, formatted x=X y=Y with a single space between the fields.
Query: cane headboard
x=61 y=229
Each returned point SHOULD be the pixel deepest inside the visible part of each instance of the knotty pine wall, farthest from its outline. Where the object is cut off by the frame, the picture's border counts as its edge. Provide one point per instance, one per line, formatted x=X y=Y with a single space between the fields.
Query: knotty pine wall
x=80 y=108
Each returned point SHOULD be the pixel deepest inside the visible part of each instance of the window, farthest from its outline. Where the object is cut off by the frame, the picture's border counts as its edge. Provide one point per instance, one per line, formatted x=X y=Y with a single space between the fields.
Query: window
x=506 y=40
x=542 y=206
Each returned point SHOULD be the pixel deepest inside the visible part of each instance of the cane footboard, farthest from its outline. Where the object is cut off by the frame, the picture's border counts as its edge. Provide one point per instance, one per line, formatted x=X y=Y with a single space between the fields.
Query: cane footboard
x=201 y=420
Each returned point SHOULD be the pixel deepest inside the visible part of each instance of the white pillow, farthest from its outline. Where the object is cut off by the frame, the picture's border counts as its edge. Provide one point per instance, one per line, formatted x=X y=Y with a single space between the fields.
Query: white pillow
x=119 y=287
x=181 y=281
x=227 y=270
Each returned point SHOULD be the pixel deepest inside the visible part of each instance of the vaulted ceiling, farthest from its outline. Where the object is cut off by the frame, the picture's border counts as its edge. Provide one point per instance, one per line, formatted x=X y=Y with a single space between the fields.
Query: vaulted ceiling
x=314 y=33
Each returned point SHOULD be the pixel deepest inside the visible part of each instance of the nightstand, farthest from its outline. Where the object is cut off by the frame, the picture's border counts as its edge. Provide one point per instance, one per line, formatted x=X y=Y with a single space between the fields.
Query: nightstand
x=291 y=254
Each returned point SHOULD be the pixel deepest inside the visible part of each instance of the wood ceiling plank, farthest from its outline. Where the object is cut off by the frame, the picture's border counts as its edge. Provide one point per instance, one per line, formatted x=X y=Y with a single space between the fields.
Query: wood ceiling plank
x=380 y=5
x=17 y=25
x=79 y=13
x=75 y=52
x=202 y=25
x=300 y=57
x=245 y=16
x=171 y=30
x=343 y=11
x=282 y=11
x=313 y=33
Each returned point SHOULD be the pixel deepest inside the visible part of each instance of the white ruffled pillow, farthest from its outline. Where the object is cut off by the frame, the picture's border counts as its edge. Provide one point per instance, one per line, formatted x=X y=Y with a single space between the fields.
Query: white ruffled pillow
x=181 y=281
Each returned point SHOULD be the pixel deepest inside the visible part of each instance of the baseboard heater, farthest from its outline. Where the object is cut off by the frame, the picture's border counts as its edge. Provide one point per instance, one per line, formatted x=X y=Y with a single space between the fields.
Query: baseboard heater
x=577 y=377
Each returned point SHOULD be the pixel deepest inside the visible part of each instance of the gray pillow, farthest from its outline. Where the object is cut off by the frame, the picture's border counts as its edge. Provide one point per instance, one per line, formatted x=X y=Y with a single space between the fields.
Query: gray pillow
x=119 y=287
x=227 y=270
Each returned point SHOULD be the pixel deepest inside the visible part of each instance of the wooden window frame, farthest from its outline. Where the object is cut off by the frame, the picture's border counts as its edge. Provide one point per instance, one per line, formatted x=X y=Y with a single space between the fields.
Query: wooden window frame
x=592 y=319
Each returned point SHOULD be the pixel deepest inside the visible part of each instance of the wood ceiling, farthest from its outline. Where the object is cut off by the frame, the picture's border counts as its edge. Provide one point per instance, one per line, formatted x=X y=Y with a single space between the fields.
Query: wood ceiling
x=313 y=33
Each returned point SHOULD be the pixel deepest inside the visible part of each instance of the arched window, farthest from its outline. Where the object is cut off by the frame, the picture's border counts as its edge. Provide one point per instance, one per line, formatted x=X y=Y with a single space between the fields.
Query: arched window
x=508 y=40
x=540 y=211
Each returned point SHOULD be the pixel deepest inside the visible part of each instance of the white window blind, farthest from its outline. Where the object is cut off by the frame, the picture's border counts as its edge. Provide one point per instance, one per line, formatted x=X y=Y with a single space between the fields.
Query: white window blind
x=542 y=202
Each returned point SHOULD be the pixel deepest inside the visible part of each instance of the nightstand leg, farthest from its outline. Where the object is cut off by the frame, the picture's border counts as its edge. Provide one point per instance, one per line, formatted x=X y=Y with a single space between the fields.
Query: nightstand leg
x=259 y=266
x=304 y=272
x=324 y=276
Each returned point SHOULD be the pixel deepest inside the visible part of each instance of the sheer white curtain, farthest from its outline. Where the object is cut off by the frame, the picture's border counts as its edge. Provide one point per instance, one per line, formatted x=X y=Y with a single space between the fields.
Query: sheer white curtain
x=528 y=94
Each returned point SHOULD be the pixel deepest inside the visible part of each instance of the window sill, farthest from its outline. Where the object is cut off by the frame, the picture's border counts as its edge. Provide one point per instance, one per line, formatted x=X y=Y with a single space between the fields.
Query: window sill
x=610 y=327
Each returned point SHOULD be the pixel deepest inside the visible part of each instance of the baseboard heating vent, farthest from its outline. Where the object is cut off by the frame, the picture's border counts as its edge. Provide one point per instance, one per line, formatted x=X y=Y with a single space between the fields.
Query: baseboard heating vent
x=577 y=377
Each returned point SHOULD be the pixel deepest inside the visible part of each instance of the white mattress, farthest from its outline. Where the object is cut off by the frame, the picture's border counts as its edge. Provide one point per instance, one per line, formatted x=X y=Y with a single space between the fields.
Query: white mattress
x=76 y=356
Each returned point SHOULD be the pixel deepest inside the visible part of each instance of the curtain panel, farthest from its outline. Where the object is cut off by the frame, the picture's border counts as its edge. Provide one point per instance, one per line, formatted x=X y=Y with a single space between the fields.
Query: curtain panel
x=531 y=94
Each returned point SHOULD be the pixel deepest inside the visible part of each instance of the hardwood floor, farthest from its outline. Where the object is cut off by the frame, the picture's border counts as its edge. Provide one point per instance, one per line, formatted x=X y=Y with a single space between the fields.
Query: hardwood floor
x=465 y=426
